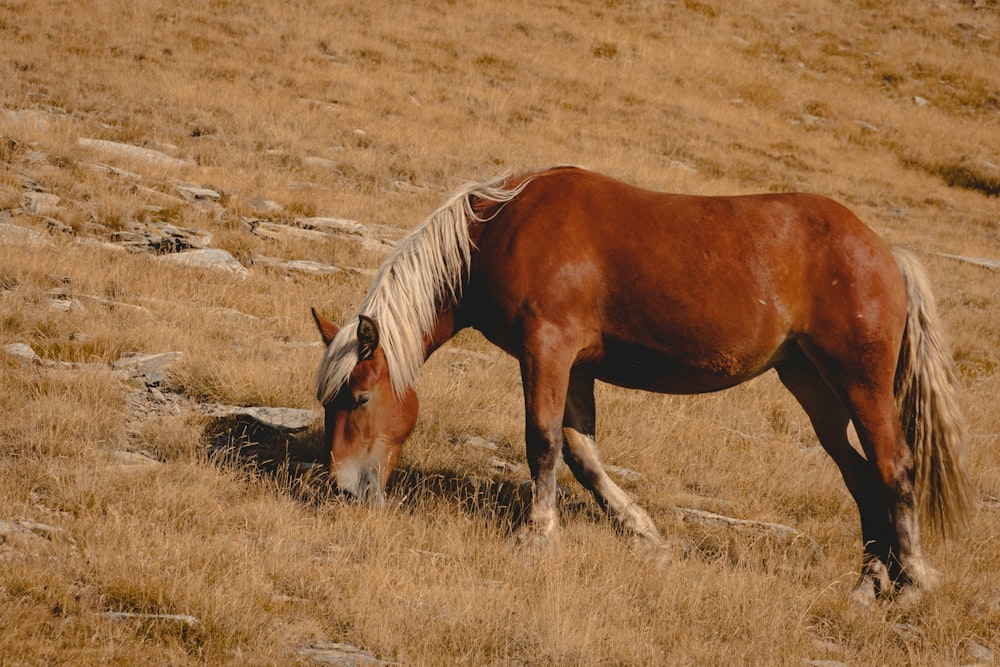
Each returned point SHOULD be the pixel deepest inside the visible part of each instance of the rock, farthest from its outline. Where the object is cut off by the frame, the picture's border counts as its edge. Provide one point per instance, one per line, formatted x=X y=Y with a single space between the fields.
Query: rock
x=782 y=532
x=213 y=259
x=183 y=619
x=978 y=652
x=491 y=445
x=321 y=162
x=279 y=419
x=192 y=193
x=920 y=101
x=341 y=655
x=300 y=265
x=152 y=367
x=266 y=435
x=29 y=530
x=40 y=203
x=162 y=237
x=23 y=353
x=129 y=151
x=986 y=262
x=265 y=205
x=127 y=460
x=31 y=118
x=23 y=236
x=623 y=473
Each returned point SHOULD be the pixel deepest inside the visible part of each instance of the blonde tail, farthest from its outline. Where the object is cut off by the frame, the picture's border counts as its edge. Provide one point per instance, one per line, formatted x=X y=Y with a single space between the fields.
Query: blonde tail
x=926 y=396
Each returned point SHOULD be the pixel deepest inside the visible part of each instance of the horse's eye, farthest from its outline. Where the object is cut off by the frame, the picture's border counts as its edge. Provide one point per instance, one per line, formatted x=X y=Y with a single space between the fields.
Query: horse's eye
x=362 y=400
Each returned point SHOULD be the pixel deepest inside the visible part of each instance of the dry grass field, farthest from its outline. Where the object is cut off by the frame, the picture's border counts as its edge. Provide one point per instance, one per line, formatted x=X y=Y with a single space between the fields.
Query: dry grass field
x=122 y=541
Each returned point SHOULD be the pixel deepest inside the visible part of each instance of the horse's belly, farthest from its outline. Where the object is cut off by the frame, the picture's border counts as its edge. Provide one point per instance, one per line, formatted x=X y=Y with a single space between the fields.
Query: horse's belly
x=656 y=370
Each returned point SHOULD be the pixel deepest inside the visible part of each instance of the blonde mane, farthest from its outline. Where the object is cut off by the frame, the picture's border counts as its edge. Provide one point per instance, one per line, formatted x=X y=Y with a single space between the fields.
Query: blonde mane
x=424 y=270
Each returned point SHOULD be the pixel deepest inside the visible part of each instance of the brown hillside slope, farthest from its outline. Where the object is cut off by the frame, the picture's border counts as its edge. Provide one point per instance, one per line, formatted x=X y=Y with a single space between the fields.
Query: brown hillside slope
x=318 y=132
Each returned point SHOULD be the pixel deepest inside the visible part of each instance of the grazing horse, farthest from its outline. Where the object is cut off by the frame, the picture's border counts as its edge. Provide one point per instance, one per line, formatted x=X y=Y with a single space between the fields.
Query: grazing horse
x=582 y=278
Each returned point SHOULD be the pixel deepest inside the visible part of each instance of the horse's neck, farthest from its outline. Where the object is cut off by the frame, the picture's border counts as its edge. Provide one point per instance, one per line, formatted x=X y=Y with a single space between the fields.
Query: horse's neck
x=444 y=329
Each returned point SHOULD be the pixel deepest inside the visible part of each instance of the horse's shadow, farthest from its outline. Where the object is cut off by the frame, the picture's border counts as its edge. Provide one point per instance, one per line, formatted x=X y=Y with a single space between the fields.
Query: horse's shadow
x=297 y=464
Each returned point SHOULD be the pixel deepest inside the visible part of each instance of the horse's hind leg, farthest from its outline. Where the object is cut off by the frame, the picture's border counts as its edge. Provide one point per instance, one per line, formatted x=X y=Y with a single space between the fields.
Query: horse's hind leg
x=580 y=454
x=877 y=423
x=830 y=418
x=882 y=490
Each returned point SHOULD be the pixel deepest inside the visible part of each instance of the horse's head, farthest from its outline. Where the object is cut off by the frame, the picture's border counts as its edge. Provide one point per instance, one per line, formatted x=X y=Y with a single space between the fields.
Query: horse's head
x=366 y=421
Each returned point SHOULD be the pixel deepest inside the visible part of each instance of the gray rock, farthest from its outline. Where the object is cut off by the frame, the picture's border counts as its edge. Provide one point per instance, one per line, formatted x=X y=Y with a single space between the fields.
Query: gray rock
x=627 y=474
x=987 y=262
x=192 y=193
x=299 y=265
x=281 y=419
x=152 y=367
x=183 y=619
x=161 y=237
x=41 y=203
x=23 y=236
x=129 y=151
x=23 y=353
x=978 y=652
x=265 y=205
x=213 y=259
x=341 y=655
x=785 y=533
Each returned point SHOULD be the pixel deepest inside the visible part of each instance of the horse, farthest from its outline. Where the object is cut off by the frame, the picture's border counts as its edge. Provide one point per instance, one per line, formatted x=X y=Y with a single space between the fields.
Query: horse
x=582 y=277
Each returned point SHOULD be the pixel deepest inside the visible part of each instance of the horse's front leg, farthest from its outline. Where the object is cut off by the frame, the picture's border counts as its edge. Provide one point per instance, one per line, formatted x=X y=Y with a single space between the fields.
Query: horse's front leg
x=545 y=377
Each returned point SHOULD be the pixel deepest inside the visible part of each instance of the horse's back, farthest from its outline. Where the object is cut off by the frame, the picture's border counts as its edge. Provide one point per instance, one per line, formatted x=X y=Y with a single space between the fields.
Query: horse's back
x=677 y=283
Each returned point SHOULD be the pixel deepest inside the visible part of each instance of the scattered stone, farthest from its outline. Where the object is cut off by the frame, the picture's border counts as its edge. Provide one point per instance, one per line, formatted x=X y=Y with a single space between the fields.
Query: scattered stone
x=920 y=101
x=117 y=171
x=866 y=126
x=986 y=262
x=33 y=118
x=192 y=193
x=321 y=162
x=677 y=164
x=265 y=435
x=64 y=305
x=183 y=619
x=161 y=237
x=264 y=205
x=279 y=419
x=978 y=652
x=151 y=367
x=23 y=353
x=28 y=529
x=40 y=203
x=132 y=152
x=907 y=632
x=127 y=460
x=475 y=441
x=786 y=533
x=213 y=259
x=300 y=265
x=826 y=663
x=507 y=466
x=23 y=236
x=623 y=473
x=341 y=655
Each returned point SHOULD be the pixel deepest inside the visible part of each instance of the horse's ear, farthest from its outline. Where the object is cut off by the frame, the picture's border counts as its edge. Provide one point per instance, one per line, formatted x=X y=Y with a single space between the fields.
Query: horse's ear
x=367 y=337
x=326 y=329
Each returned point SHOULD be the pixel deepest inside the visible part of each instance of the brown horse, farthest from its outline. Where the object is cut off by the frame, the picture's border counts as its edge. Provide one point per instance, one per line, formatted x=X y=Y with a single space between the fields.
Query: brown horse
x=584 y=278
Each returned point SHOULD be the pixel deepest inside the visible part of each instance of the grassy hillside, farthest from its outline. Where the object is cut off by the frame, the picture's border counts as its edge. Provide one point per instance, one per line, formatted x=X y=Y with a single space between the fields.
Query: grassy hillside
x=371 y=112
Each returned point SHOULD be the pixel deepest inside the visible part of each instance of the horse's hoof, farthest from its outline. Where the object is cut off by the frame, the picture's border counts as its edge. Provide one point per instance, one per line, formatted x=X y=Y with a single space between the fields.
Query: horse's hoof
x=531 y=538
x=655 y=552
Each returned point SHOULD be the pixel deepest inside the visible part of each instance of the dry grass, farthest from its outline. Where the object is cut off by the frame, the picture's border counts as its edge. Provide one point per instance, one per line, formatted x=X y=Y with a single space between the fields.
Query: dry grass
x=401 y=101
